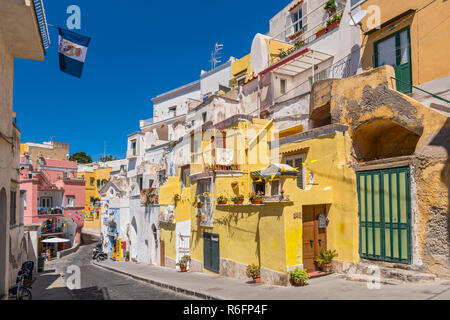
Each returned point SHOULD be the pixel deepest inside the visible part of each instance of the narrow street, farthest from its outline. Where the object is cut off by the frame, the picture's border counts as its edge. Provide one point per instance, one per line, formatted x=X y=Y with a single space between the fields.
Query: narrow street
x=99 y=284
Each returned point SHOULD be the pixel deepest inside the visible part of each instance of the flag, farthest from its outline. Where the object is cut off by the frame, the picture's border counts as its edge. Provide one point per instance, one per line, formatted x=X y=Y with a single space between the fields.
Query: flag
x=72 y=52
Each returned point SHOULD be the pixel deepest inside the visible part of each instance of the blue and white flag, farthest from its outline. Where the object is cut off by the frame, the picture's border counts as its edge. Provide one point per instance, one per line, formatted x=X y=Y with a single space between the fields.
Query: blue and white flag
x=72 y=52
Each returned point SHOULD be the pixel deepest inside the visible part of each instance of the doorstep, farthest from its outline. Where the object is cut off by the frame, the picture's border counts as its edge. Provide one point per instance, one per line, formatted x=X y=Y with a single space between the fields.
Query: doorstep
x=317 y=274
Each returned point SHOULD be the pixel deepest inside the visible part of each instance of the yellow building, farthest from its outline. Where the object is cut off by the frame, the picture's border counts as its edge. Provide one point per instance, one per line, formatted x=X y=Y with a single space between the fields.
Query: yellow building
x=95 y=178
x=413 y=37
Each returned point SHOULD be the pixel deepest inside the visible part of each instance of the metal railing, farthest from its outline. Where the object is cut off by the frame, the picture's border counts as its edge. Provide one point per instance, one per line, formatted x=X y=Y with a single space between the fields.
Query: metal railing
x=40 y=15
x=427 y=92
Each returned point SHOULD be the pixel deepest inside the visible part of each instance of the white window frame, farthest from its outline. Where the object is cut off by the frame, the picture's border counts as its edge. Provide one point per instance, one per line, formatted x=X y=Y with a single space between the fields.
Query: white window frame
x=296 y=23
x=294 y=157
x=70 y=201
x=356 y=4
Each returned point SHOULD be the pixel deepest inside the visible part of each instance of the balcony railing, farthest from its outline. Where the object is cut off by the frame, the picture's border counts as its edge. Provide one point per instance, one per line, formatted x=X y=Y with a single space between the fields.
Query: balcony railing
x=50 y=211
x=167 y=218
x=131 y=153
x=205 y=213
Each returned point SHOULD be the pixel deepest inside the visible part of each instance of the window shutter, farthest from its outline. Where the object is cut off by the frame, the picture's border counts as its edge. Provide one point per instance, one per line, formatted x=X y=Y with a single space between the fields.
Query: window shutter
x=305 y=17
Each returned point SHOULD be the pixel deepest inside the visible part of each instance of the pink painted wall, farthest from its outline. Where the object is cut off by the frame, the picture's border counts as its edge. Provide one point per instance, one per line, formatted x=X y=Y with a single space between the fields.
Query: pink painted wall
x=67 y=187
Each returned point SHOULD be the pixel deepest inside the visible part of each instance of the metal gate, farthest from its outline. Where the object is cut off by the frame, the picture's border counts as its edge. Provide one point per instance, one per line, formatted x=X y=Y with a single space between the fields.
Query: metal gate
x=385 y=215
x=211 y=252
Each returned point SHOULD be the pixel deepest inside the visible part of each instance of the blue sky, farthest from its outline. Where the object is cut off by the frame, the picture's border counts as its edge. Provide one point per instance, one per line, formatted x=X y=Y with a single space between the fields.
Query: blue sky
x=139 y=49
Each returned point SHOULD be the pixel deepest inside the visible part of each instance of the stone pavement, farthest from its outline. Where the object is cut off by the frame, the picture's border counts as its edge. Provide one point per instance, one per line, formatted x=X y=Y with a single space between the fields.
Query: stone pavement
x=49 y=285
x=333 y=287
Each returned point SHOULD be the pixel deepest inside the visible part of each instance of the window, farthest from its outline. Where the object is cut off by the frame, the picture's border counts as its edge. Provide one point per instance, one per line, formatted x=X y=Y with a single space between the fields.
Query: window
x=46 y=202
x=12 y=216
x=70 y=201
x=173 y=111
x=92 y=181
x=98 y=183
x=204 y=114
x=92 y=200
x=133 y=147
x=322 y=75
x=275 y=188
x=162 y=177
x=150 y=183
x=259 y=187
x=296 y=20
x=354 y=3
x=296 y=161
x=140 y=181
x=25 y=200
x=282 y=86
x=185 y=173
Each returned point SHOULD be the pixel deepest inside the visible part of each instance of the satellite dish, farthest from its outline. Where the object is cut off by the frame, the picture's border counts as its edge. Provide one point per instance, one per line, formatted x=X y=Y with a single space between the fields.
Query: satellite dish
x=357 y=18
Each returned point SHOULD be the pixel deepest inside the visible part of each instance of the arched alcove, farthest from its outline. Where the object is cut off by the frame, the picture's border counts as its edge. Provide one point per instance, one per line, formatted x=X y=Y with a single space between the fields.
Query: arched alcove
x=382 y=139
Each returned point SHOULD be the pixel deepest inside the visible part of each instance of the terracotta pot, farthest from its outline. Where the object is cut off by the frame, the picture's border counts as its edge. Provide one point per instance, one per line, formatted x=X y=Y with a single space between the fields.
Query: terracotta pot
x=127 y=259
x=256 y=201
x=238 y=202
x=221 y=202
x=297 y=283
x=257 y=279
x=334 y=25
x=321 y=33
x=183 y=269
x=199 y=218
x=326 y=267
x=200 y=206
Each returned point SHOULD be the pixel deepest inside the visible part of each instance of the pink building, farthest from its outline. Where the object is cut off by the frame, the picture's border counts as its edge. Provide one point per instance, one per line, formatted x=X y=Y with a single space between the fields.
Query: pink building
x=53 y=196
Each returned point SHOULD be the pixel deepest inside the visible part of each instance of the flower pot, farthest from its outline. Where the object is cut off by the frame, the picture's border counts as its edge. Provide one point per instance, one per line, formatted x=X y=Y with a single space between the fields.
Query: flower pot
x=183 y=269
x=127 y=259
x=200 y=206
x=199 y=218
x=257 y=279
x=321 y=33
x=334 y=25
x=238 y=202
x=221 y=202
x=256 y=201
x=327 y=267
x=297 y=283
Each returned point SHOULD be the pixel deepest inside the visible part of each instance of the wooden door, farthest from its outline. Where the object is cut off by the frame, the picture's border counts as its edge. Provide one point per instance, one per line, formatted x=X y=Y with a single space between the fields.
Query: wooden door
x=309 y=243
x=314 y=239
x=162 y=253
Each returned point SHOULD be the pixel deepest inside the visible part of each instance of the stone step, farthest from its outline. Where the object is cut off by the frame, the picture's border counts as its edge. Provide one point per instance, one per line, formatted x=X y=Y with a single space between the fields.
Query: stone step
x=399 y=272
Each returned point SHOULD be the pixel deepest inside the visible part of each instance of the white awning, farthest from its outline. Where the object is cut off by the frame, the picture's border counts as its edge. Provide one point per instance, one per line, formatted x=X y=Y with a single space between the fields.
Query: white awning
x=298 y=62
x=55 y=240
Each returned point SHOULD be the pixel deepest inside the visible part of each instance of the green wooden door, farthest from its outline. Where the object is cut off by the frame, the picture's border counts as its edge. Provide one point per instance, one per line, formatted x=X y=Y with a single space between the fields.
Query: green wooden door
x=385 y=215
x=211 y=252
x=395 y=50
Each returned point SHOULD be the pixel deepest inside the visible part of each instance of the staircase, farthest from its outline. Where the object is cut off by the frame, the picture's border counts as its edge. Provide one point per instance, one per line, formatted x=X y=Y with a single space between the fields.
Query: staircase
x=387 y=273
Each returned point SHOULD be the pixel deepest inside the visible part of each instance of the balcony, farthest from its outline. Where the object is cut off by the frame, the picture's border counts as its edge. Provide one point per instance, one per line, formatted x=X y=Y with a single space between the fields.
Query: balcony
x=205 y=212
x=50 y=212
x=167 y=214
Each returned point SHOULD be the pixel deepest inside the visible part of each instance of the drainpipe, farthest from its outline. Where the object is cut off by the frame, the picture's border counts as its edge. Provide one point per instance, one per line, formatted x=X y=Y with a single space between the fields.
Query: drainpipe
x=259 y=98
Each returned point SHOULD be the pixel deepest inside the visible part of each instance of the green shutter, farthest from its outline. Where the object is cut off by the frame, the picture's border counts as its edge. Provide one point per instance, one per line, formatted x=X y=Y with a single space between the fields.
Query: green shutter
x=385 y=215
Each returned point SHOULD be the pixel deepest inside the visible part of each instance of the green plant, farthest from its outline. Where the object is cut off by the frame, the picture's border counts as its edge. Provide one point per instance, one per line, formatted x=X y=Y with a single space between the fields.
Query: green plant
x=253 y=271
x=336 y=17
x=326 y=257
x=238 y=198
x=331 y=6
x=176 y=197
x=222 y=199
x=127 y=255
x=184 y=261
x=256 y=197
x=321 y=28
x=298 y=275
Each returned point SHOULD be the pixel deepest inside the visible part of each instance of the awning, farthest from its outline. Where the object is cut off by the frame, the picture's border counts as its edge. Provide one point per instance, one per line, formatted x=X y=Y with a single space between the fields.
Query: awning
x=55 y=240
x=275 y=170
x=298 y=62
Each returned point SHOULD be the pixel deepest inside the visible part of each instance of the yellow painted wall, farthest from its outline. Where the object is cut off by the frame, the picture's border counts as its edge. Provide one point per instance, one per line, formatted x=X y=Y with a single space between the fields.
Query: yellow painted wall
x=430 y=39
x=92 y=221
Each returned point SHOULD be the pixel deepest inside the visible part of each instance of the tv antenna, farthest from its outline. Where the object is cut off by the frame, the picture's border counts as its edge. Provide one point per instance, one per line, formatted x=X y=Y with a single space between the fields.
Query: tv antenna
x=357 y=19
x=215 y=55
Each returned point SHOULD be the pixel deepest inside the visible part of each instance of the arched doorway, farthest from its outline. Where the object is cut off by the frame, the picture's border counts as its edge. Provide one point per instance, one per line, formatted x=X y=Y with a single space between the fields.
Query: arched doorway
x=3 y=239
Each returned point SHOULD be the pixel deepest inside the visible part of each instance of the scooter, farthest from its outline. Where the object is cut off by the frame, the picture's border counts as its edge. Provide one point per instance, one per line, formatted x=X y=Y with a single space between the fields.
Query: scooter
x=98 y=254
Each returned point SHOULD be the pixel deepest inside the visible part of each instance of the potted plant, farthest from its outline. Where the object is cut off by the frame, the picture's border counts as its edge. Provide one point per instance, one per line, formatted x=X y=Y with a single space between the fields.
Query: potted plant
x=254 y=272
x=222 y=200
x=282 y=195
x=234 y=184
x=331 y=7
x=183 y=263
x=256 y=198
x=127 y=256
x=296 y=35
x=334 y=22
x=325 y=258
x=176 y=197
x=299 y=277
x=239 y=199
